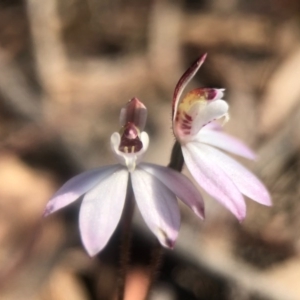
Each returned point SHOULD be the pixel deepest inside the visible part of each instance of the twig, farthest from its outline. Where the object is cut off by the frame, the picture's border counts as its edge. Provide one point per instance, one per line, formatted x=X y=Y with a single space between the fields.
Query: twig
x=17 y=93
x=50 y=55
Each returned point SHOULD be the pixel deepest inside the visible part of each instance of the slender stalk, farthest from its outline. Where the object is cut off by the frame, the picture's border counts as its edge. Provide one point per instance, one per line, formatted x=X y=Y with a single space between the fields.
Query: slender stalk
x=155 y=265
x=176 y=163
x=125 y=241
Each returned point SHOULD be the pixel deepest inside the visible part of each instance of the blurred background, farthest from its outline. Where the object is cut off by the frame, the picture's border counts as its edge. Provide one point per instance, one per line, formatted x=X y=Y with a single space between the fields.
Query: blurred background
x=66 y=69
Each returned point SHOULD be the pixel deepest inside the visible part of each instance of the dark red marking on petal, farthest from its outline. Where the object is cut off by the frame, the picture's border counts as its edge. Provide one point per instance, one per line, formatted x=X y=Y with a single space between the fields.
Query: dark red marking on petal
x=185 y=121
x=130 y=141
x=170 y=243
x=167 y=241
x=210 y=93
x=184 y=126
x=187 y=117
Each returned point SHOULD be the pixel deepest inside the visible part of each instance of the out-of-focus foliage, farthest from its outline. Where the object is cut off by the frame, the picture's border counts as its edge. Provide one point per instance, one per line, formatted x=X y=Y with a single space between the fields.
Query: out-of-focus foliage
x=66 y=69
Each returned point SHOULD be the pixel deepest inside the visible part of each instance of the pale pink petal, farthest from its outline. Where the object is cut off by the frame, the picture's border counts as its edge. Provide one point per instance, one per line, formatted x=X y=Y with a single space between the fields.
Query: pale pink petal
x=101 y=210
x=247 y=183
x=204 y=113
x=225 y=142
x=76 y=187
x=184 y=80
x=179 y=184
x=213 y=126
x=211 y=177
x=158 y=206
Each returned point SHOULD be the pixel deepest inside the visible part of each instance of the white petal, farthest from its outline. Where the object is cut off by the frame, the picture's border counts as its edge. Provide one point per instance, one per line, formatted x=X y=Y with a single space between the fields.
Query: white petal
x=246 y=182
x=179 y=184
x=203 y=114
x=158 y=206
x=145 y=140
x=76 y=187
x=115 y=141
x=225 y=142
x=215 y=126
x=210 y=176
x=101 y=210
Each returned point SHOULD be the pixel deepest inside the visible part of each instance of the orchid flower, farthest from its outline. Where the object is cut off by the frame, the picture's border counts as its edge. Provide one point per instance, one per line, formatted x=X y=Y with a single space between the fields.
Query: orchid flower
x=104 y=189
x=220 y=176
